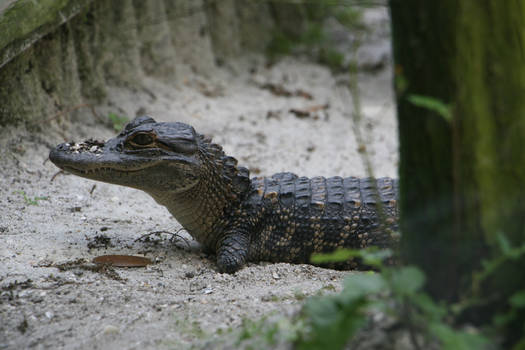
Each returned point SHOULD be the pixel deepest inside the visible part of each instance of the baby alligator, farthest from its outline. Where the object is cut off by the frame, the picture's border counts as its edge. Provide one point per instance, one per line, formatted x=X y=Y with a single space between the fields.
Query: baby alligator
x=282 y=218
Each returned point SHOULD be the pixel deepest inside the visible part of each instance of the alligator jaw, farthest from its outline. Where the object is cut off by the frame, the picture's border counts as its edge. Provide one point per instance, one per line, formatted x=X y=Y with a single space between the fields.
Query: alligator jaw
x=88 y=172
x=105 y=162
x=93 y=160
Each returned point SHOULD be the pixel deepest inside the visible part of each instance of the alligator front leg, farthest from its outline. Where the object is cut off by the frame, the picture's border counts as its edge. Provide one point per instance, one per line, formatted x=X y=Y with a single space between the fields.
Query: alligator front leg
x=232 y=251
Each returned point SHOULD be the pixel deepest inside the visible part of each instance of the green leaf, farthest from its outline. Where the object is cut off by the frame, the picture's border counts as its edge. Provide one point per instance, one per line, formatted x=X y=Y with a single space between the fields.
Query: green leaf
x=427 y=305
x=432 y=104
x=313 y=34
x=375 y=257
x=371 y=256
x=406 y=280
x=331 y=57
x=322 y=311
x=516 y=253
x=457 y=340
x=350 y=17
x=362 y=285
x=334 y=319
x=503 y=243
x=501 y=320
x=117 y=121
x=339 y=255
x=518 y=299
x=332 y=322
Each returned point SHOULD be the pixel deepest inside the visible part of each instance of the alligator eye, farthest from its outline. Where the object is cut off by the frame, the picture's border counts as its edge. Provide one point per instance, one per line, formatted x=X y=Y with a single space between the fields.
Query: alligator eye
x=142 y=140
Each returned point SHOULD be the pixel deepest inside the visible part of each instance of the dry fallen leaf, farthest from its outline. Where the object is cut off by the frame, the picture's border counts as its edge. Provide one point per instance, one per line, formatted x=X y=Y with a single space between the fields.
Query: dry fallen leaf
x=279 y=90
x=308 y=111
x=122 y=260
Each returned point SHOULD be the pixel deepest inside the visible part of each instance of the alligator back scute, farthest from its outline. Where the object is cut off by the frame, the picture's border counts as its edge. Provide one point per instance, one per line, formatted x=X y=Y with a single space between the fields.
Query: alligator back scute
x=302 y=216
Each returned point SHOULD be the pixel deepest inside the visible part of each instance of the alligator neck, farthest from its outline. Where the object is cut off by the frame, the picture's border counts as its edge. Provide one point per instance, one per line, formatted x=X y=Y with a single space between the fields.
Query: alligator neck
x=200 y=210
x=204 y=209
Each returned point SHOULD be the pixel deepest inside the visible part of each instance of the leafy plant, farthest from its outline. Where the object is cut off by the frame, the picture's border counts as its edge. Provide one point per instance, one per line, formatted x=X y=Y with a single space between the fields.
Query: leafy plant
x=372 y=256
x=350 y=17
x=330 y=321
x=313 y=35
x=331 y=58
x=432 y=104
x=509 y=322
x=402 y=297
x=268 y=332
x=397 y=291
x=280 y=44
x=314 y=41
x=117 y=121
x=348 y=14
x=32 y=201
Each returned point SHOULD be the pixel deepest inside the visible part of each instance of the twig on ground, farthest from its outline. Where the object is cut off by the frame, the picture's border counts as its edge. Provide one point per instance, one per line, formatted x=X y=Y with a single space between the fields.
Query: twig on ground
x=173 y=236
x=60 y=172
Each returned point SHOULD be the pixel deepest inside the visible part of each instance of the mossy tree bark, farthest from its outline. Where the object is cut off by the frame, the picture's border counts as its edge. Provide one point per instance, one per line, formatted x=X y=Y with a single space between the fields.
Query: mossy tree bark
x=461 y=179
x=423 y=50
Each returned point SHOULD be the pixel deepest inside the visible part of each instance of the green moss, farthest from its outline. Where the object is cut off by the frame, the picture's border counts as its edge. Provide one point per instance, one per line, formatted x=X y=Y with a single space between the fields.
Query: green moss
x=40 y=81
x=86 y=39
x=25 y=17
x=18 y=75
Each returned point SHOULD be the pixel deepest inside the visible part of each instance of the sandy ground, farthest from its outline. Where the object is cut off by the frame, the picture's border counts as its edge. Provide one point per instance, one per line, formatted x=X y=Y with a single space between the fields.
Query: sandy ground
x=181 y=300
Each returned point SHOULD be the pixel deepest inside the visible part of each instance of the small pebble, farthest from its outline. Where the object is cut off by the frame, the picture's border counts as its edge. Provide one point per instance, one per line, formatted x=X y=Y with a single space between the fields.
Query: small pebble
x=110 y=329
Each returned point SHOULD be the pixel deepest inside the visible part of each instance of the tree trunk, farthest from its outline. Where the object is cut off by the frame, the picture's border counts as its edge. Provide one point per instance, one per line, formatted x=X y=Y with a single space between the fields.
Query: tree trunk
x=423 y=36
x=462 y=179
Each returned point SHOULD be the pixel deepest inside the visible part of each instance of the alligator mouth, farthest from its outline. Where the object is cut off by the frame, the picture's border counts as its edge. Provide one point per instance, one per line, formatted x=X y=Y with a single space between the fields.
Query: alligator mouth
x=98 y=170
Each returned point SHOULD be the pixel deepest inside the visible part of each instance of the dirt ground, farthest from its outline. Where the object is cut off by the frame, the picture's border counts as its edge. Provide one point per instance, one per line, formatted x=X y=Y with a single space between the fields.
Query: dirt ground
x=51 y=296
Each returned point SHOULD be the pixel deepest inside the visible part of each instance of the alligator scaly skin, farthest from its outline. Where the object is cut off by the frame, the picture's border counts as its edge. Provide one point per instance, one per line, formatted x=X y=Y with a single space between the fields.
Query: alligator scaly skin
x=298 y=216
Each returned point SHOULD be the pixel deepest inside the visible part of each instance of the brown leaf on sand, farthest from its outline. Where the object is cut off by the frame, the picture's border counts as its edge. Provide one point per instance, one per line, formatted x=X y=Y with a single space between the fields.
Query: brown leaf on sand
x=279 y=90
x=122 y=260
x=304 y=94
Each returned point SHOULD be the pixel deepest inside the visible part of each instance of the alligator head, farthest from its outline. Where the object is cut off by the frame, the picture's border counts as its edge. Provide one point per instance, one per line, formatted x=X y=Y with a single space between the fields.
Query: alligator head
x=178 y=167
x=146 y=155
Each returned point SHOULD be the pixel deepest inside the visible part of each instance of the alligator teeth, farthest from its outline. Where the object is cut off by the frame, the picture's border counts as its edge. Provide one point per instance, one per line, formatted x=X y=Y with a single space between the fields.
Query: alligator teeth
x=99 y=170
